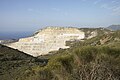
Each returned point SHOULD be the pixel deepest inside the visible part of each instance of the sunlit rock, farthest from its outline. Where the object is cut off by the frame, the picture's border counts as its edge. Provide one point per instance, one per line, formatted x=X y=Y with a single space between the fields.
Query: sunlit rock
x=46 y=40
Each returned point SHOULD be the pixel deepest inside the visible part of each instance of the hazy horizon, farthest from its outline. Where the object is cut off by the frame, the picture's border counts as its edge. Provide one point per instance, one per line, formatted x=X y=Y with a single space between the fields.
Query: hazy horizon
x=31 y=15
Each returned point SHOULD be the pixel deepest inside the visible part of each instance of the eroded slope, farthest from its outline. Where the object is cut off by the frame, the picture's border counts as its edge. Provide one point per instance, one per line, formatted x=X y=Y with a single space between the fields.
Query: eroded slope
x=46 y=40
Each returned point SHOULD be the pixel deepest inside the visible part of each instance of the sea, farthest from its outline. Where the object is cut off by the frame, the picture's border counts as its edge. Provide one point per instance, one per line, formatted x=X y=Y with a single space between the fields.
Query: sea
x=15 y=35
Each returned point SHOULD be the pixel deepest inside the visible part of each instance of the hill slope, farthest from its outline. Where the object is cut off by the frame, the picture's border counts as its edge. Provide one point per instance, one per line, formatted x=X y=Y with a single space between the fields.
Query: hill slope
x=85 y=61
x=97 y=58
x=13 y=63
x=114 y=27
x=46 y=40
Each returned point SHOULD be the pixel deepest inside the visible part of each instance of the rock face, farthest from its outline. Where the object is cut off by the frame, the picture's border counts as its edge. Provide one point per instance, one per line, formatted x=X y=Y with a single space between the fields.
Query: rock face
x=46 y=40
x=92 y=34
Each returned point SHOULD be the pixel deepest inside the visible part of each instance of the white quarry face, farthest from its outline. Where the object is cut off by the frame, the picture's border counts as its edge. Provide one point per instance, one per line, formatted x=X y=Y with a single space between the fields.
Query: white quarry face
x=92 y=34
x=46 y=40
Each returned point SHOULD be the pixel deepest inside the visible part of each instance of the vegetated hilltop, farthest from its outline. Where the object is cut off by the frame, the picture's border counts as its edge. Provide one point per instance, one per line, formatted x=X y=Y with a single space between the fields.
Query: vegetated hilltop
x=96 y=58
x=114 y=27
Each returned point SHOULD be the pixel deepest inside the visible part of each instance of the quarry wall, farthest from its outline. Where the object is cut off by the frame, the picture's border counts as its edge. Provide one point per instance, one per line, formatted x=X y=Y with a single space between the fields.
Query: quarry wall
x=46 y=40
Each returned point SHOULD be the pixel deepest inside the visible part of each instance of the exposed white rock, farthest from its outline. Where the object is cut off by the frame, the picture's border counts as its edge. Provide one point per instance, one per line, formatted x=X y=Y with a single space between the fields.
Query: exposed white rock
x=92 y=34
x=46 y=40
x=7 y=41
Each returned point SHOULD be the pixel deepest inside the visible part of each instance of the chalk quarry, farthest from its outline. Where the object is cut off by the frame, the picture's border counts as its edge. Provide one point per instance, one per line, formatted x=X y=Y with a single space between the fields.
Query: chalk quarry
x=46 y=40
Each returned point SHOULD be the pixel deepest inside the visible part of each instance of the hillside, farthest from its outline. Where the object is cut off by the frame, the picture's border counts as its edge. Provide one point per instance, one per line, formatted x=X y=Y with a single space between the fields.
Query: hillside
x=50 y=39
x=14 y=63
x=7 y=53
x=46 y=40
x=96 y=58
x=91 y=59
x=114 y=27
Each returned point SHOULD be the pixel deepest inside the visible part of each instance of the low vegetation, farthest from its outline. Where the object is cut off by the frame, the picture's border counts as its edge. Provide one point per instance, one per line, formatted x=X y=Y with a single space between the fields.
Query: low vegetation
x=91 y=59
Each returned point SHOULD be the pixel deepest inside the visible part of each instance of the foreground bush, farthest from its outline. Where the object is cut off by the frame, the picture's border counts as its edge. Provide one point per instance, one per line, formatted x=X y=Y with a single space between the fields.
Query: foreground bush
x=86 y=63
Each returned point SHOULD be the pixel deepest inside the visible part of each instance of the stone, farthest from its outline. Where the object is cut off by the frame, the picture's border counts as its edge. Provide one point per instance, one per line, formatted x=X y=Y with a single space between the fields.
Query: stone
x=47 y=40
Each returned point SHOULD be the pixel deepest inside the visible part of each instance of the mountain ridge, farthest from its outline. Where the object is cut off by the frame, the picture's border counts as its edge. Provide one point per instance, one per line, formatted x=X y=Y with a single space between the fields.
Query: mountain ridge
x=114 y=27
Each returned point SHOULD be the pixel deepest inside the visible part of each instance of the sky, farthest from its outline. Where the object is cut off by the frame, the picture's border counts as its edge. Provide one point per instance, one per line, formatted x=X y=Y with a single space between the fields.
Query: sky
x=31 y=15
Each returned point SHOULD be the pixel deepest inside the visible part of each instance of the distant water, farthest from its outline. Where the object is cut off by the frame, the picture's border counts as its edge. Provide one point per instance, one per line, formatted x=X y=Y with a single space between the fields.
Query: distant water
x=14 y=35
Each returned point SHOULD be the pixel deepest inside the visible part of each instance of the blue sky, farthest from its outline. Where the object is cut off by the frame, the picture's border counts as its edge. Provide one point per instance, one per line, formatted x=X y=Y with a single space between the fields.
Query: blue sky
x=30 y=15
